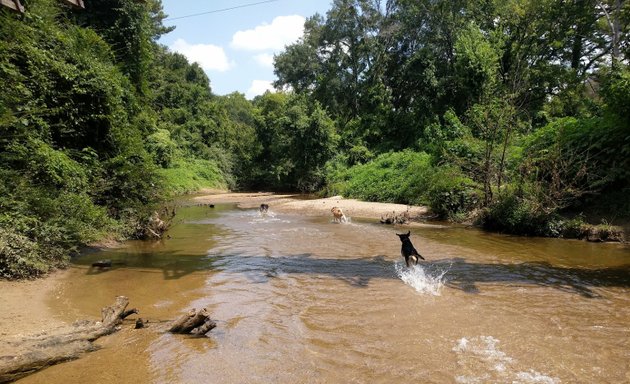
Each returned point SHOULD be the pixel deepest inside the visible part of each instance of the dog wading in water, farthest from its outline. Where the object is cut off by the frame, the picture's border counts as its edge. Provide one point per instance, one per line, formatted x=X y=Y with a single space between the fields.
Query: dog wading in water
x=407 y=250
x=264 y=208
x=338 y=215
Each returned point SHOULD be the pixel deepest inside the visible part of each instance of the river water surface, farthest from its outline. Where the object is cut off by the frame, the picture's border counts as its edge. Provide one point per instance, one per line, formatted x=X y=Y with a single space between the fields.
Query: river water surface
x=304 y=300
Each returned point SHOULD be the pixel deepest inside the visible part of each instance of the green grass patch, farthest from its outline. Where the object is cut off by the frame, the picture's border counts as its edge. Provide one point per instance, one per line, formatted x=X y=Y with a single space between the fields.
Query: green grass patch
x=396 y=177
x=190 y=175
x=407 y=177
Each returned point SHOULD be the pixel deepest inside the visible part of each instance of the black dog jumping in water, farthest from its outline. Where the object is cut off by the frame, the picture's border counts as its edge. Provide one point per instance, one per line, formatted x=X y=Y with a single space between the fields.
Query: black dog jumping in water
x=408 y=251
x=264 y=208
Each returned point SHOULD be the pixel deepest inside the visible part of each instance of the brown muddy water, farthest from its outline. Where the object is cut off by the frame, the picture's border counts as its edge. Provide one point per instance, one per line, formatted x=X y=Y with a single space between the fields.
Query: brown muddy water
x=303 y=300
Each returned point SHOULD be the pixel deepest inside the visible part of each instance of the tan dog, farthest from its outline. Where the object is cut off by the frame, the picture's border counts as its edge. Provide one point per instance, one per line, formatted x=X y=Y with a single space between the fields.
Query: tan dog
x=338 y=215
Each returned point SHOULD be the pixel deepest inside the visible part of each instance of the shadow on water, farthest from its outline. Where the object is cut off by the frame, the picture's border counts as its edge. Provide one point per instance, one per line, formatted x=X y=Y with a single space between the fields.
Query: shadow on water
x=257 y=269
x=173 y=264
x=359 y=272
x=465 y=276
x=356 y=272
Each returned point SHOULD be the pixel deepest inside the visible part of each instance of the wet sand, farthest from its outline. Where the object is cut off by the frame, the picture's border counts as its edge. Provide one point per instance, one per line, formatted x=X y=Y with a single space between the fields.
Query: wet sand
x=25 y=307
x=26 y=303
x=314 y=207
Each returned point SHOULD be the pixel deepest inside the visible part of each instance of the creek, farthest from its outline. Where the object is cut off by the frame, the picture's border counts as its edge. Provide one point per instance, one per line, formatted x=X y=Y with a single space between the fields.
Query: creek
x=300 y=299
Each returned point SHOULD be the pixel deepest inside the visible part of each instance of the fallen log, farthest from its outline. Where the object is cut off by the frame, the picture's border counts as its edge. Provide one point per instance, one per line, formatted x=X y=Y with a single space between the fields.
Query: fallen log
x=393 y=218
x=193 y=322
x=29 y=354
x=207 y=326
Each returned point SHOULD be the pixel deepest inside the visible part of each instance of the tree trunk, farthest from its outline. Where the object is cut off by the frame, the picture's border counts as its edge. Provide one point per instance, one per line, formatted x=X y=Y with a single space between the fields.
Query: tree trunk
x=32 y=353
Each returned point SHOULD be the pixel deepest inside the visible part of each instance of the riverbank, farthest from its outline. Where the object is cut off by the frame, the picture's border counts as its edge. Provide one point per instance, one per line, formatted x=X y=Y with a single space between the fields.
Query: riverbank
x=25 y=308
x=417 y=215
x=295 y=204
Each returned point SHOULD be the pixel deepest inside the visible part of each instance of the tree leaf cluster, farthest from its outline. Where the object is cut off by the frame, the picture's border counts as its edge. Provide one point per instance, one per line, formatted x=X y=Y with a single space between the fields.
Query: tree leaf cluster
x=79 y=136
x=526 y=100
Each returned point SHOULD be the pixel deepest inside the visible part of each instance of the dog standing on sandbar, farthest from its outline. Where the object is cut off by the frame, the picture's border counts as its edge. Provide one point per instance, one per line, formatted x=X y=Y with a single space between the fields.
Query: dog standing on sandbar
x=407 y=250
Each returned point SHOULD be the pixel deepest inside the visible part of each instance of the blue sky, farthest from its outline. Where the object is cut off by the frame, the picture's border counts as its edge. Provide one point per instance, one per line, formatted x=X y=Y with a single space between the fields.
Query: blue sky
x=235 y=47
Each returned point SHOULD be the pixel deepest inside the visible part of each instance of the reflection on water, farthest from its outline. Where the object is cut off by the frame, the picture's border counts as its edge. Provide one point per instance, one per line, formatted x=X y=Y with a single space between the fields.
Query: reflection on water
x=304 y=300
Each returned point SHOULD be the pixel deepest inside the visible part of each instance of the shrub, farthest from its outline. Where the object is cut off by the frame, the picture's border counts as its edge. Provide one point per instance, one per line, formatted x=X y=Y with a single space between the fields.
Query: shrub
x=574 y=228
x=397 y=177
x=359 y=154
x=21 y=257
x=39 y=229
x=162 y=147
x=186 y=176
x=453 y=195
x=516 y=214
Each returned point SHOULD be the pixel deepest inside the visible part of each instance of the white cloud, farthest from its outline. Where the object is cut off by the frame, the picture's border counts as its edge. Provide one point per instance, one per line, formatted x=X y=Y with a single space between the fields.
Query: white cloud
x=264 y=59
x=259 y=87
x=210 y=57
x=282 y=31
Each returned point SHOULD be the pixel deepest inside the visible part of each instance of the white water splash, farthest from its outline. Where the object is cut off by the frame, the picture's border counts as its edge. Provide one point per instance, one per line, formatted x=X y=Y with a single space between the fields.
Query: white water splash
x=348 y=220
x=421 y=278
x=257 y=217
x=483 y=362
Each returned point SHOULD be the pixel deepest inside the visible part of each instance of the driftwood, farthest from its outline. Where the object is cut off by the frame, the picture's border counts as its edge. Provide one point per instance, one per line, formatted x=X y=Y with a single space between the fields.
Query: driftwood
x=193 y=322
x=393 y=218
x=32 y=353
x=153 y=228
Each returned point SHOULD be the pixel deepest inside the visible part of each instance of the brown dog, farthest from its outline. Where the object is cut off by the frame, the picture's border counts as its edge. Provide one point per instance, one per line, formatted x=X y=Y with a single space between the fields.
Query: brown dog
x=338 y=215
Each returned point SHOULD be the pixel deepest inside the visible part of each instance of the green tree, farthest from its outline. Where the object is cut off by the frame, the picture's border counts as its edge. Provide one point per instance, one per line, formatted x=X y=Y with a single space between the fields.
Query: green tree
x=130 y=27
x=297 y=139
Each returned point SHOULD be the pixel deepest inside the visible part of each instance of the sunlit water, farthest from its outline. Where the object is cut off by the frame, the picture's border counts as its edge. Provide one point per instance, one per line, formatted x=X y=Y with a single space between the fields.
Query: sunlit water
x=305 y=300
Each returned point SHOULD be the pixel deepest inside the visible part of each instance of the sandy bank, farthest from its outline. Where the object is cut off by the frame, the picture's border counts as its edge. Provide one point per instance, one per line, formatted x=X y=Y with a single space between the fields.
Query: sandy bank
x=314 y=207
x=25 y=305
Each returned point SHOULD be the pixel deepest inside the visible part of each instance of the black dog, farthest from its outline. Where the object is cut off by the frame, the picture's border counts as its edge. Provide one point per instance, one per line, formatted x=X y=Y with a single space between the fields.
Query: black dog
x=264 y=208
x=408 y=251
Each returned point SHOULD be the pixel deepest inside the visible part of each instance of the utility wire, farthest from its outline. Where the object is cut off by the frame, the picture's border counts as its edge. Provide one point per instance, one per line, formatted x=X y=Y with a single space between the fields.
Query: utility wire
x=220 y=10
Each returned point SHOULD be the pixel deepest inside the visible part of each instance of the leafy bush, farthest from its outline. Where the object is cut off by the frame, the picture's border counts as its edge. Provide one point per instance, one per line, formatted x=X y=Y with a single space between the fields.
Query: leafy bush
x=21 y=257
x=616 y=92
x=397 y=177
x=186 y=176
x=516 y=214
x=574 y=228
x=453 y=195
x=359 y=154
x=162 y=147
x=41 y=227
x=51 y=167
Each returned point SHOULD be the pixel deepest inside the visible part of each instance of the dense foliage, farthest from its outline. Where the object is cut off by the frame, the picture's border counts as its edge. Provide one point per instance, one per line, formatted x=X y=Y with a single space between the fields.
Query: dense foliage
x=521 y=106
x=83 y=141
x=515 y=111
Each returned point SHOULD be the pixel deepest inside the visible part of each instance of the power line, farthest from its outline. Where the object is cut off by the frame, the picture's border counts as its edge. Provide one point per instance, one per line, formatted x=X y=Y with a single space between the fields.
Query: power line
x=220 y=10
